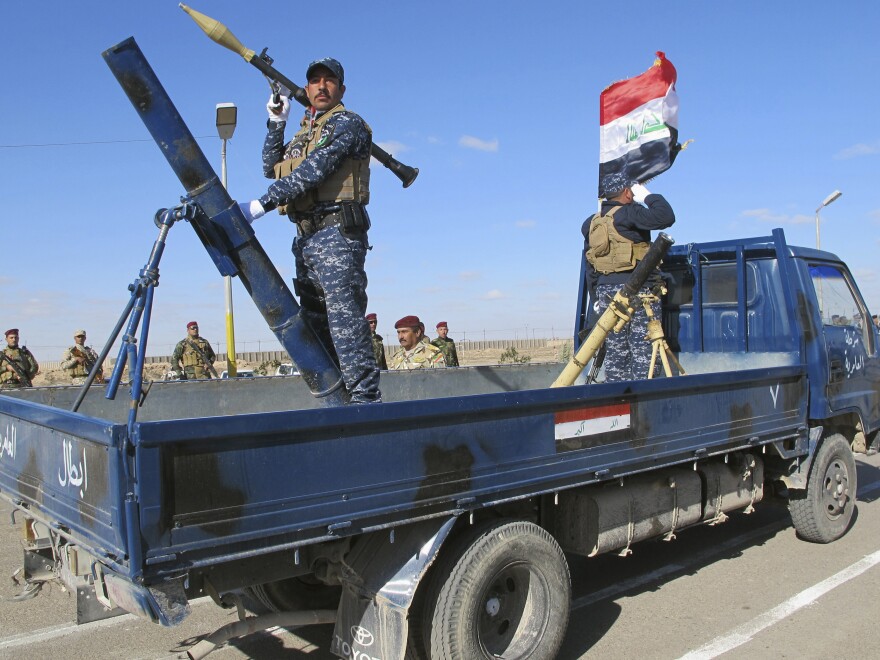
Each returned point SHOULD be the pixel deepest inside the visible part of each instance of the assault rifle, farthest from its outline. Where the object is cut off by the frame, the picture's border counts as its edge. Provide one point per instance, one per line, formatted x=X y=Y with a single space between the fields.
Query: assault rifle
x=88 y=363
x=204 y=357
x=22 y=376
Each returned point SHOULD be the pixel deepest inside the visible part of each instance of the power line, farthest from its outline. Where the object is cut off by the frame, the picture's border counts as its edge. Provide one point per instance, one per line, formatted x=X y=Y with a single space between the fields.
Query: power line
x=77 y=144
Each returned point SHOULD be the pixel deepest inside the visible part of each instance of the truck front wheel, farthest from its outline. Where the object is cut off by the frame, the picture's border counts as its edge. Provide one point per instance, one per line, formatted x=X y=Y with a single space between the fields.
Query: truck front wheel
x=504 y=592
x=822 y=513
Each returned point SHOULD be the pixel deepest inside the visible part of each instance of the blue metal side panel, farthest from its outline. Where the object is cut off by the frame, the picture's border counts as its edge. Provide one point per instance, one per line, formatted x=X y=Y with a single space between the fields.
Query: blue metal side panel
x=252 y=483
x=65 y=468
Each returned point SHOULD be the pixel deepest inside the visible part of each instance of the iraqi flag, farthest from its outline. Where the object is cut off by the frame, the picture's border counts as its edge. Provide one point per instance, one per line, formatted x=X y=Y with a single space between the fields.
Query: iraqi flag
x=638 y=124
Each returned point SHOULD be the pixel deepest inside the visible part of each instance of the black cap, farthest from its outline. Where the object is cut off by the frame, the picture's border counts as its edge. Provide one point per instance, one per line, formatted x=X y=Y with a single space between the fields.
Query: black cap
x=328 y=63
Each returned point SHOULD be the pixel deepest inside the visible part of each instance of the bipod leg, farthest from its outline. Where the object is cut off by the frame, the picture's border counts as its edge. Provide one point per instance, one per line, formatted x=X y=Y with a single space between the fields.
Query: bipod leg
x=104 y=352
x=658 y=340
x=654 y=348
x=140 y=307
x=681 y=371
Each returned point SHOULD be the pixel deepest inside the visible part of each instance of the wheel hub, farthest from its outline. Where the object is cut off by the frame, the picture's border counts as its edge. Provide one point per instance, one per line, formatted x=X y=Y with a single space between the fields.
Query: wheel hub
x=836 y=490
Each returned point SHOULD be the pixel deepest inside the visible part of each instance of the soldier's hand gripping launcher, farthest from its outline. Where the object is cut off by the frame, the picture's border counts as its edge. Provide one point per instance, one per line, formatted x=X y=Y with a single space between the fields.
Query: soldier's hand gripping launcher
x=218 y=32
x=618 y=313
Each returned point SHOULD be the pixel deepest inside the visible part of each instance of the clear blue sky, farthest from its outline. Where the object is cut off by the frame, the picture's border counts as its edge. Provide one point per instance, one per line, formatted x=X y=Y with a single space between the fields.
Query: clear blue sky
x=495 y=102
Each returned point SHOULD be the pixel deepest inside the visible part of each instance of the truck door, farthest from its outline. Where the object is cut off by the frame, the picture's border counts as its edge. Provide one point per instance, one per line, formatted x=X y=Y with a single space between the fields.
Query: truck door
x=851 y=343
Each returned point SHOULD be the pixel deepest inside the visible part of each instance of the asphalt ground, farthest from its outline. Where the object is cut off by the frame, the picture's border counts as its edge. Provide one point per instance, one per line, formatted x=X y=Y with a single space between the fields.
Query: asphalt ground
x=748 y=588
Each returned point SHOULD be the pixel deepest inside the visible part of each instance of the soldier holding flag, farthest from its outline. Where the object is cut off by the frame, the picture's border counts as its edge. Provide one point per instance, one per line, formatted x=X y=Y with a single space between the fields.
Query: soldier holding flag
x=638 y=120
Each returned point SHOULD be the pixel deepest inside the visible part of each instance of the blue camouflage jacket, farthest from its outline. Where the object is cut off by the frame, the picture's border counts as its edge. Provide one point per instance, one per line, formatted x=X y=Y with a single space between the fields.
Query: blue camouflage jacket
x=345 y=135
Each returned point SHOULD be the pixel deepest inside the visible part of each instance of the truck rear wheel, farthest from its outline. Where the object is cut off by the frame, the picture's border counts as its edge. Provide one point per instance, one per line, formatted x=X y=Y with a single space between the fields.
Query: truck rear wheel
x=822 y=513
x=505 y=593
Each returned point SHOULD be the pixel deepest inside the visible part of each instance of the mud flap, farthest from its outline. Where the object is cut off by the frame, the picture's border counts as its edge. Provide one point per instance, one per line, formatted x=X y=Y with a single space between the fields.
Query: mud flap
x=379 y=580
x=800 y=470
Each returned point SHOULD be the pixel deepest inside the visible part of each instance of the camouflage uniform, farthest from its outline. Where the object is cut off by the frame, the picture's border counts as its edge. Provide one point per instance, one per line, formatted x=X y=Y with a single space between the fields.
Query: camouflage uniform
x=193 y=364
x=330 y=278
x=421 y=356
x=379 y=351
x=78 y=372
x=628 y=352
x=447 y=345
x=25 y=361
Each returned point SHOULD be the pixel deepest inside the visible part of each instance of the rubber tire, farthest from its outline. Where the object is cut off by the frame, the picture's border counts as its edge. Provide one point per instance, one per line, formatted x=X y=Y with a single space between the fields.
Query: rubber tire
x=514 y=568
x=295 y=594
x=823 y=512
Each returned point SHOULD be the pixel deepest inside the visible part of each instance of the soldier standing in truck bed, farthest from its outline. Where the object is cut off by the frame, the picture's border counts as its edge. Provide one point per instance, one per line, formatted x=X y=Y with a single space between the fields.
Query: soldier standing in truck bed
x=323 y=185
x=615 y=240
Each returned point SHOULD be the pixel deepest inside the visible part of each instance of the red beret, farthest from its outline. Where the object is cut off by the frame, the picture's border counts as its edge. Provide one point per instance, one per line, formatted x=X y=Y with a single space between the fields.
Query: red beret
x=408 y=322
x=11 y=331
x=192 y=324
x=371 y=317
x=442 y=324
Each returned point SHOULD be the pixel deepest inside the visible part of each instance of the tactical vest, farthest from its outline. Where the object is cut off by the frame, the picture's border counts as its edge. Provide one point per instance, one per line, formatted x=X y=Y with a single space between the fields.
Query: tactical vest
x=609 y=251
x=17 y=356
x=79 y=370
x=191 y=357
x=349 y=183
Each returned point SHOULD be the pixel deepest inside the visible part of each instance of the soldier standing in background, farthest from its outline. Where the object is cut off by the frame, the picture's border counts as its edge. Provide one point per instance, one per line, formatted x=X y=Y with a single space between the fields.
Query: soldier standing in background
x=323 y=185
x=195 y=353
x=79 y=359
x=378 y=342
x=413 y=352
x=446 y=344
x=17 y=364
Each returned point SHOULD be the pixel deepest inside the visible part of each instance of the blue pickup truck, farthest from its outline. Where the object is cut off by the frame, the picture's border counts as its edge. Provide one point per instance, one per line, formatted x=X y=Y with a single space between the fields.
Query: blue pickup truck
x=436 y=524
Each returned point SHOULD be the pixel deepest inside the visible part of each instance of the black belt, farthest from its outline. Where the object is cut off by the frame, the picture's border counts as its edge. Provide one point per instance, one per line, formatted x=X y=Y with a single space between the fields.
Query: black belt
x=308 y=224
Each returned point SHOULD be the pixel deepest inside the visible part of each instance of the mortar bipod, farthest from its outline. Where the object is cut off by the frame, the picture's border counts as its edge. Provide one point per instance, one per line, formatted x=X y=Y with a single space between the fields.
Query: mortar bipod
x=137 y=309
x=657 y=337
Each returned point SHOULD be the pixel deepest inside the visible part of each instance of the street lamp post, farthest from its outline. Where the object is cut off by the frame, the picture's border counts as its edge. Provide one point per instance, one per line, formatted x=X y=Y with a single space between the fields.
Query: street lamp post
x=832 y=197
x=227 y=117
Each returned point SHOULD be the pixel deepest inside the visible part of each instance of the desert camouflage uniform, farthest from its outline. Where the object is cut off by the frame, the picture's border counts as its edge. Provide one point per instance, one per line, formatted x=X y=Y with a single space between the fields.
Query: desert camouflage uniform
x=330 y=278
x=379 y=351
x=448 y=347
x=421 y=356
x=193 y=365
x=78 y=372
x=25 y=360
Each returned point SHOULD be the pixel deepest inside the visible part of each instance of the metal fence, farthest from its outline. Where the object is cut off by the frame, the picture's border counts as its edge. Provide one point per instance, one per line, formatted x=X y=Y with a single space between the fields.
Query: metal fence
x=258 y=357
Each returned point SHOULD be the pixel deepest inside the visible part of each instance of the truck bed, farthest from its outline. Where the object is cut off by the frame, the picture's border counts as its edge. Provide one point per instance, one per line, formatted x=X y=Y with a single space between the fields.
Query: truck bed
x=201 y=481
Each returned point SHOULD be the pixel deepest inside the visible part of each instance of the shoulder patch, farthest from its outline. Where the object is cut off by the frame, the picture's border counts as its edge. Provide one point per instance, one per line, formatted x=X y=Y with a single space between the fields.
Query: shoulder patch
x=326 y=134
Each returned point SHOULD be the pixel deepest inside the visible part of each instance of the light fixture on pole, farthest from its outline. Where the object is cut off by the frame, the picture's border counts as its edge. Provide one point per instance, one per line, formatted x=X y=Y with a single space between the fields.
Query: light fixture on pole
x=227 y=118
x=832 y=197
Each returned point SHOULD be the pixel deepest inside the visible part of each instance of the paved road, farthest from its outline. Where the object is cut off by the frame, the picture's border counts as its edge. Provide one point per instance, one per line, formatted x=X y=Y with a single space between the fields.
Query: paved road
x=746 y=589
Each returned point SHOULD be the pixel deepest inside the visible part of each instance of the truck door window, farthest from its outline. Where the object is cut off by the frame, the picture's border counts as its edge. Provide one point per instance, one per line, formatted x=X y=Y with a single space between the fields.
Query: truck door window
x=838 y=303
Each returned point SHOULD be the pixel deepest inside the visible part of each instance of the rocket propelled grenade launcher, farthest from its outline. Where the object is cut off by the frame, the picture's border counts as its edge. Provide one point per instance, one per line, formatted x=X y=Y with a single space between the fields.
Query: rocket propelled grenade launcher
x=218 y=32
x=618 y=312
